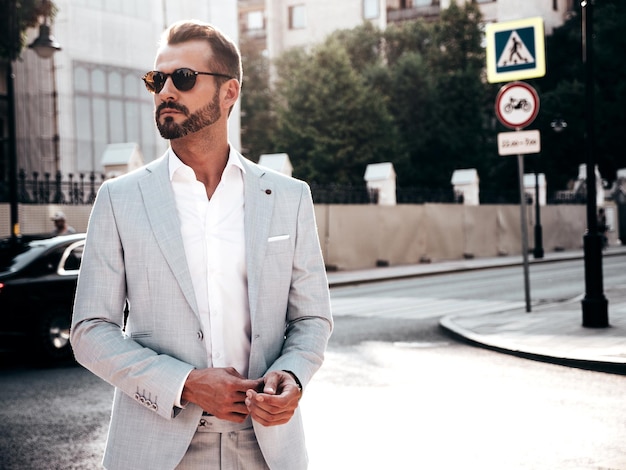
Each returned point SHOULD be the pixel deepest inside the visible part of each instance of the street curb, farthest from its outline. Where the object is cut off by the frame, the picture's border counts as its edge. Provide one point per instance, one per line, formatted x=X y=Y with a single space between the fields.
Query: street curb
x=366 y=276
x=464 y=335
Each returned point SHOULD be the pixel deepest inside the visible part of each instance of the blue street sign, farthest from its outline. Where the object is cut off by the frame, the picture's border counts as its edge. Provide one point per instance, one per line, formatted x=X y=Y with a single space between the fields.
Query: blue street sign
x=515 y=50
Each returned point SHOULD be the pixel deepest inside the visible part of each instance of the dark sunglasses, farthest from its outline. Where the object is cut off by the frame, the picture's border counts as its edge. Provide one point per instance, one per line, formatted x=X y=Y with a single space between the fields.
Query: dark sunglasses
x=183 y=79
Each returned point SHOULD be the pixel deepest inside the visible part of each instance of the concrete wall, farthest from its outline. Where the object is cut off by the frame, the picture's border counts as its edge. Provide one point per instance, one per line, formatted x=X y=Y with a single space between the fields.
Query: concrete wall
x=359 y=237
x=35 y=219
x=364 y=236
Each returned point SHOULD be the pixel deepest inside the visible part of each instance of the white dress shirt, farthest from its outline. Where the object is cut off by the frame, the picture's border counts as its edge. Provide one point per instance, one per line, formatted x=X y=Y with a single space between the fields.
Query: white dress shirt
x=213 y=237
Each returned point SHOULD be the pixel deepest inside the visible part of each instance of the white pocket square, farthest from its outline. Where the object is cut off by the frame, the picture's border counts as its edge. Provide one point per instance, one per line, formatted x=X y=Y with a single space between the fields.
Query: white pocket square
x=278 y=238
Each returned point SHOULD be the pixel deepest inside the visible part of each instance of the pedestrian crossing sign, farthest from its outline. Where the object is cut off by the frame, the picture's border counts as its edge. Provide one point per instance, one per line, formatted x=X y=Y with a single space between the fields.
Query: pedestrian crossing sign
x=515 y=50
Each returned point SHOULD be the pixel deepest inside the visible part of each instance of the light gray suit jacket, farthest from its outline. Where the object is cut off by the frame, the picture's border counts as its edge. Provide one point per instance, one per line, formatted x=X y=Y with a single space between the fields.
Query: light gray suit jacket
x=134 y=251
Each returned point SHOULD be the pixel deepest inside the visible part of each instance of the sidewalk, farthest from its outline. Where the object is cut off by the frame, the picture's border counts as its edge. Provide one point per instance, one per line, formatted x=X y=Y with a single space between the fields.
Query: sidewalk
x=551 y=332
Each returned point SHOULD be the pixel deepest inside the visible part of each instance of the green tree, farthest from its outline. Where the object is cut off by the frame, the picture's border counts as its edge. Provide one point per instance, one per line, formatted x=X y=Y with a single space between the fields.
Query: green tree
x=412 y=95
x=438 y=97
x=258 y=122
x=562 y=93
x=415 y=94
x=329 y=122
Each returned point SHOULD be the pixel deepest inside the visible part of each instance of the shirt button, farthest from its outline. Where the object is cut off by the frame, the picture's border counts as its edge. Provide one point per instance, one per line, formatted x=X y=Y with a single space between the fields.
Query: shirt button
x=200 y=335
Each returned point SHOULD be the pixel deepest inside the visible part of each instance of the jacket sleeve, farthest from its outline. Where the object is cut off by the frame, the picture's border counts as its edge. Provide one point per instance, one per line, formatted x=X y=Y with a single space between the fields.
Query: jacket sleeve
x=98 y=338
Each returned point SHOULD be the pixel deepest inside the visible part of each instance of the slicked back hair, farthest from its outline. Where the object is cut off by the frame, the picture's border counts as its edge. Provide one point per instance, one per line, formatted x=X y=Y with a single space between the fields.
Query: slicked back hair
x=226 y=58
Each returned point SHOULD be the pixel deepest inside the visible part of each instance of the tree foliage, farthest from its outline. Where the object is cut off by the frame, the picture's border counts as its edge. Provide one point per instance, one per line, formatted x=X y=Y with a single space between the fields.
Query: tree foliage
x=258 y=122
x=329 y=122
x=17 y=16
x=562 y=93
x=412 y=95
x=416 y=95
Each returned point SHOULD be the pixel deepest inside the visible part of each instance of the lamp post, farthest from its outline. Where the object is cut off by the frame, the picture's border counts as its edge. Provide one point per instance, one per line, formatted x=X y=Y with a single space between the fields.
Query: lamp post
x=45 y=46
x=557 y=125
x=538 y=249
x=13 y=35
x=594 y=304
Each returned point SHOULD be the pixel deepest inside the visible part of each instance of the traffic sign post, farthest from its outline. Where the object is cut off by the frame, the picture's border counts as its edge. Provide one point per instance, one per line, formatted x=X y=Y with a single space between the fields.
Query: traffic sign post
x=515 y=50
x=519 y=142
x=517 y=106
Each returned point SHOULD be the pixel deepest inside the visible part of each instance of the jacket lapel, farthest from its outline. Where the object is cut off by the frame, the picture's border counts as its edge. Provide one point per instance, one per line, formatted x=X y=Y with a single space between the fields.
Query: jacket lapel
x=160 y=206
x=259 y=205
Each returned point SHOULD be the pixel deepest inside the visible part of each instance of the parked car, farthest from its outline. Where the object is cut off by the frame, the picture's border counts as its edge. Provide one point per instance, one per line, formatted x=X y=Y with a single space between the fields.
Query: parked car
x=37 y=285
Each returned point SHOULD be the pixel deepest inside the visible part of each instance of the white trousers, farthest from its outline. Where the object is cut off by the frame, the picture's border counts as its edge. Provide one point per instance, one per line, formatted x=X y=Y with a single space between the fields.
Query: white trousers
x=222 y=445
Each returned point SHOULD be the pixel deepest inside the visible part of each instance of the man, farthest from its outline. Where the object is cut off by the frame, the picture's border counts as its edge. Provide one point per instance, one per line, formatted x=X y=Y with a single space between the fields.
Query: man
x=603 y=228
x=218 y=266
x=60 y=225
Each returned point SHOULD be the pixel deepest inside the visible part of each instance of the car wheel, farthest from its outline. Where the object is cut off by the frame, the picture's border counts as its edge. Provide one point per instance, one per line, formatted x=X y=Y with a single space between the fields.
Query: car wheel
x=54 y=335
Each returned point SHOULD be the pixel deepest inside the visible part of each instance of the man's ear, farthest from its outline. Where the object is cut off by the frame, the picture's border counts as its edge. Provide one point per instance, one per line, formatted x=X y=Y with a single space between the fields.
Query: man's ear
x=230 y=92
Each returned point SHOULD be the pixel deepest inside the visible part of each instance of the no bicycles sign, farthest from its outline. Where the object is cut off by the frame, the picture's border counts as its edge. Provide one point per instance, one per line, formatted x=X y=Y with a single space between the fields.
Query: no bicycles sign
x=517 y=105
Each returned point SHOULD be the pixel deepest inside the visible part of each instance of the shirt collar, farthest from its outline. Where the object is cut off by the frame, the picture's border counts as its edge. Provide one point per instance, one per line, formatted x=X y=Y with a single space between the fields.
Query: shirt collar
x=175 y=164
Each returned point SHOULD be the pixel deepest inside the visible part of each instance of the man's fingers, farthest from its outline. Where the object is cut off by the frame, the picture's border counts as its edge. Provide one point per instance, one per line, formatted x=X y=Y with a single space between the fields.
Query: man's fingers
x=271 y=384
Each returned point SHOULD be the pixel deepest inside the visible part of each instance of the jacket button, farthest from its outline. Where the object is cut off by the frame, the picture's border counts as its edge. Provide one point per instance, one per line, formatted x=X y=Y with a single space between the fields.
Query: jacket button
x=268 y=191
x=200 y=335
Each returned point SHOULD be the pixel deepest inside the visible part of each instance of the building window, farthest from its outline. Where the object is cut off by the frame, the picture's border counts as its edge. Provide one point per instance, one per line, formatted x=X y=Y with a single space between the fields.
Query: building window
x=110 y=106
x=555 y=5
x=255 y=21
x=371 y=9
x=297 y=17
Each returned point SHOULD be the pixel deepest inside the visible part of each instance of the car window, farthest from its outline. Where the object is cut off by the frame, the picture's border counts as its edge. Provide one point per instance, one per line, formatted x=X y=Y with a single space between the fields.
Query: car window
x=71 y=258
x=46 y=264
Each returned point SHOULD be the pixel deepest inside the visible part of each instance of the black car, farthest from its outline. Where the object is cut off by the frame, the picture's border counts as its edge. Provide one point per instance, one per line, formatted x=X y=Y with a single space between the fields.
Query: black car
x=37 y=285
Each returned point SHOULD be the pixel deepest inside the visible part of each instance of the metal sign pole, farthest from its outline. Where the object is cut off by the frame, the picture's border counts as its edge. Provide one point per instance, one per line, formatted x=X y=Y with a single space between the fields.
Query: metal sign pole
x=517 y=105
x=522 y=193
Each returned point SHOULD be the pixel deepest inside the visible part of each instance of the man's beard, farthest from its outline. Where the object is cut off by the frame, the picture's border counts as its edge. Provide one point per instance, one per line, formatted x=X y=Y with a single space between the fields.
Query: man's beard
x=202 y=118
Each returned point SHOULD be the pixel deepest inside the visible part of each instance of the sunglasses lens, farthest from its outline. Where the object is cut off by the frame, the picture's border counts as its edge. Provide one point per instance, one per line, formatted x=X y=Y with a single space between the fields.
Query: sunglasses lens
x=184 y=79
x=154 y=81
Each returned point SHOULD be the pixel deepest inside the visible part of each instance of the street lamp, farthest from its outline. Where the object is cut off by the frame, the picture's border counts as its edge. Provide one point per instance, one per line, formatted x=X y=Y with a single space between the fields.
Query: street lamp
x=557 y=125
x=45 y=46
x=594 y=304
x=538 y=249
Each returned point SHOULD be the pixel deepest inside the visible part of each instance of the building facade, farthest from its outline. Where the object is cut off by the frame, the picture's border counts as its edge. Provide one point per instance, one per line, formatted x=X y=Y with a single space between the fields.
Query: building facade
x=282 y=24
x=89 y=95
x=70 y=107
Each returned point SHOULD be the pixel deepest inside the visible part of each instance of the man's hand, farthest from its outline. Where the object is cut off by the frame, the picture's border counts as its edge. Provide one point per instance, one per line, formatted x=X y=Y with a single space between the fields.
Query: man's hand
x=220 y=391
x=277 y=402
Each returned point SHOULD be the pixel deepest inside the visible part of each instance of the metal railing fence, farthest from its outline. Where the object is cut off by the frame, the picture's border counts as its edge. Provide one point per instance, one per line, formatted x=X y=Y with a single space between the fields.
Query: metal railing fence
x=81 y=188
